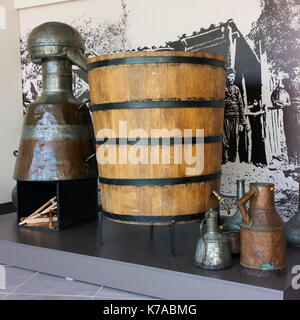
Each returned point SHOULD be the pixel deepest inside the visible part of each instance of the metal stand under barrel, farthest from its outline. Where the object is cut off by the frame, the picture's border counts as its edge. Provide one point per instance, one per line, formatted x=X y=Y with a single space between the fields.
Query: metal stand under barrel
x=171 y=226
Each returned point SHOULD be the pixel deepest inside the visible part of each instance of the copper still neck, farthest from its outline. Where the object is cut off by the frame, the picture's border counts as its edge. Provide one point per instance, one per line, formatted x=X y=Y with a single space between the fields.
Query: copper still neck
x=57 y=81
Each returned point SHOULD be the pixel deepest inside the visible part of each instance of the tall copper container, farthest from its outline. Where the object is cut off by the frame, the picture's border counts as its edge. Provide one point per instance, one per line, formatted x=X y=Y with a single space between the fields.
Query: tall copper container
x=57 y=135
x=262 y=232
x=56 y=155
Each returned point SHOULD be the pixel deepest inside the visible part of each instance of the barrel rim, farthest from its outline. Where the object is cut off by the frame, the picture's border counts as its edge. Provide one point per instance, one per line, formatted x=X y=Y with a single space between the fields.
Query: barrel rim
x=156 y=60
x=157 y=104
x=154 y=219
x=157 y=53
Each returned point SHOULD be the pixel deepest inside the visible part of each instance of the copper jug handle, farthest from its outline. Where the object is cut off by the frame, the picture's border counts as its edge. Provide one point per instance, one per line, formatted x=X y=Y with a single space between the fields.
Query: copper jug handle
x=241 y=204
x=201 y=227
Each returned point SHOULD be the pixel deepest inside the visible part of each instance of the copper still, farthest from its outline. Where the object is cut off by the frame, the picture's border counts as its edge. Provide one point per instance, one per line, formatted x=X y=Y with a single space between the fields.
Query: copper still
x=57 y=136
x=262 y=232
x=55 y=155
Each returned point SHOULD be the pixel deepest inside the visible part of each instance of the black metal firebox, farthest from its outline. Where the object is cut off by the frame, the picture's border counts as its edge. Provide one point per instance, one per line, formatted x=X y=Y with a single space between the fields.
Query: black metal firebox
x=76 y=201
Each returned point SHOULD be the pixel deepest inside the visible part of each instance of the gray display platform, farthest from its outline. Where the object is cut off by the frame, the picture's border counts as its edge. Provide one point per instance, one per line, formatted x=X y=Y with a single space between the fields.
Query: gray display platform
x=135 y=259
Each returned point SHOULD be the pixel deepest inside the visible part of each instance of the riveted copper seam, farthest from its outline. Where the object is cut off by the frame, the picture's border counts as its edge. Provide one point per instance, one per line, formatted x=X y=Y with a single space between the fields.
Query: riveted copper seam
x=56 y=132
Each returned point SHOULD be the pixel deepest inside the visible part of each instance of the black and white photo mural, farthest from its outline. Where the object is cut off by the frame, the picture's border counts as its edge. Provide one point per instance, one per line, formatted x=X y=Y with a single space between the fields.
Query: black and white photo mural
x=259 y=38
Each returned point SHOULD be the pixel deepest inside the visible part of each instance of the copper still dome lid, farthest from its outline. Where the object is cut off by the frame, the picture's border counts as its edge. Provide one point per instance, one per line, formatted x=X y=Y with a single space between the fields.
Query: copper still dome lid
x=51 y=39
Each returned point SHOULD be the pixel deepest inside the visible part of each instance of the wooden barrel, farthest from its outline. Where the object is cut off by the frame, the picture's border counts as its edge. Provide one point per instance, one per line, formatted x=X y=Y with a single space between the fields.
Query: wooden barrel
x=139 y=100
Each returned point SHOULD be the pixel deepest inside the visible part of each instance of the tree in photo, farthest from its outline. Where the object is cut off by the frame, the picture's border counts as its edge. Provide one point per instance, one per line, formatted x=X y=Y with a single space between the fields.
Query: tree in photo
x=101 y=37
x=105 y=36
x=277 y=31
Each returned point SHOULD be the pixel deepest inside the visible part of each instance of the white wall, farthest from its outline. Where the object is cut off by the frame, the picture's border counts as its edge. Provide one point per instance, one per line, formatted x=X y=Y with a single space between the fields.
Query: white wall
x=11 y=117
x=31 y=3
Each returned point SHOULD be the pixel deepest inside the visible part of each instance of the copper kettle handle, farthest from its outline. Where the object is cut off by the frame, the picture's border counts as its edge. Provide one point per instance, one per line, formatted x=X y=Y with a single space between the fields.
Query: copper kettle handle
x=241 y=204
x=201 y=227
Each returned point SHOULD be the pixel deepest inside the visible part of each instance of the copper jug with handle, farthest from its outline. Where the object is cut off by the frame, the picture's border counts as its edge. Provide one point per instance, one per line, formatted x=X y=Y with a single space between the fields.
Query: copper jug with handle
x=212 y=251
x=262 y=233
